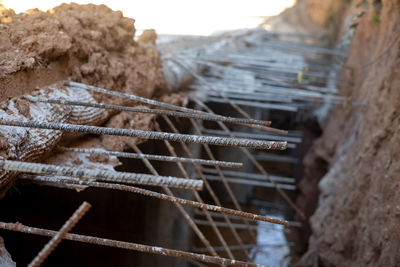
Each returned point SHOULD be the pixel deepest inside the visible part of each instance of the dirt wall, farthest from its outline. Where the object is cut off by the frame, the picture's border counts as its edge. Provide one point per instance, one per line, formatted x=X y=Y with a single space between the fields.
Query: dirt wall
x=75 y=42
x=356 y=222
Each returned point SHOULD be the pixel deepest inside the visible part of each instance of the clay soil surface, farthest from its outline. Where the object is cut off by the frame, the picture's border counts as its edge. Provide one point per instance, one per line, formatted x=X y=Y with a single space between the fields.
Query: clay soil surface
x=356 y=222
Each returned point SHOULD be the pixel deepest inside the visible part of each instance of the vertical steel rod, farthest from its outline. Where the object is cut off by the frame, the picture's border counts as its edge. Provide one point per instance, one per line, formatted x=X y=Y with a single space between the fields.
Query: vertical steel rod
x=214 y=227
x=198 y=197
x=256 y=164
x=223 y=179
x=202 y=176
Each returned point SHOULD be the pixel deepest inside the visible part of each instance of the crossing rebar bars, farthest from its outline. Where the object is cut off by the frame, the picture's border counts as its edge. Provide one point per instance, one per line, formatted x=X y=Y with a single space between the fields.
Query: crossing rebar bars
x=127 y=245
x=256 y=164
x=200 y=173
x=209 y=218
x=149 y=193
x=198 y=197
x=53 y=243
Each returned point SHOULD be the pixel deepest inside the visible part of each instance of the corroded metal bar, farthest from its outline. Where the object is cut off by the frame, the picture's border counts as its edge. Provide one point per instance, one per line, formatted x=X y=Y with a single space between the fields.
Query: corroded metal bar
x=223 y=179
x=187 y=138
x=18 y=227
x=209 y=117
x=248 y=246
x=152 y=157
x=132 y=97
x=253 y=176
x=53 y=243
x=200 y=173
x=62 y=180
x=257 y=165
x=154 y=102
x=112 y=176
x=249 y=182
x=198 y=197
x=214 y=227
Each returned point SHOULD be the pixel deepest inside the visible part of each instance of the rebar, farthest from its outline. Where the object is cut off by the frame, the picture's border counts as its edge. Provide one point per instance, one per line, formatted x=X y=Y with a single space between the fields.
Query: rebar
x=132 y=97
x=259 y=224
x=291 y=139
x=198 y=139
x=236 y=225
x=215 y=229
x=256 y=164
x=254 y=104
x=151 y=157
x=206 y=212
x=170 y=197
x=222 y=178
x=200 y=173
x=254 y=176
x=53 y=243
x=18 y=227
x=111 y=176
x=145 y=192
x=200 y=116
x=248 y=246
x=250 y=183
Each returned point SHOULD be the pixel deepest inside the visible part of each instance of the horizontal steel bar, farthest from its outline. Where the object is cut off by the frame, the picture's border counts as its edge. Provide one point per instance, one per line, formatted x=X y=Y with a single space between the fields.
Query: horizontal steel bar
x=260 y=136
x=276 y=158
x=226 y=164
x=123 y=177
x=212 y=208
x=237 y=225
x=250 y=182
x=18 y=227
x=248 y=175
x=198 y=139
x=209 y=117
x=131 y=97
x=255 y=104
x=248 y=246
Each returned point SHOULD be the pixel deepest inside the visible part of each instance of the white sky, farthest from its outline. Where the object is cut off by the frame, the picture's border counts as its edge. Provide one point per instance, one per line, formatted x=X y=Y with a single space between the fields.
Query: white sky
x=201 y=17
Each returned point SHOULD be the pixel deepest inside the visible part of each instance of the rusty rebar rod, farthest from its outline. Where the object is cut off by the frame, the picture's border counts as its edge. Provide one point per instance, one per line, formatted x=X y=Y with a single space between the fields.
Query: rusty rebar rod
x=198 y=197
x=256 y=164
x=251 y=176
x=209 y=218
x=112 y=176
x=18 y=227
x=132 y=97
x=202 y=176
x=226 y=164
x=247 y=182
x=145 y=192
x=223 y=179
x=53 y=243
x=212 y=140
x=160 y=104
x=200 y=116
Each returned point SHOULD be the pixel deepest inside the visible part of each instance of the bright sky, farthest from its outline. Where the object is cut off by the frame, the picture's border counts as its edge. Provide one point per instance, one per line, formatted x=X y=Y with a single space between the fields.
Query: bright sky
x=200 y=17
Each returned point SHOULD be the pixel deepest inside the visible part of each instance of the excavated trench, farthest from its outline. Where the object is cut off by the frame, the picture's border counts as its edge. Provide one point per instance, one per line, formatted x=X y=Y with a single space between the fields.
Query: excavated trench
x=305 y=82
x=75 y=46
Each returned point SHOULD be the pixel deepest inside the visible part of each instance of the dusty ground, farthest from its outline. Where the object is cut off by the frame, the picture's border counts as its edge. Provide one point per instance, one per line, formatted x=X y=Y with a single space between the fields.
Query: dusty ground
x=357 y=219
